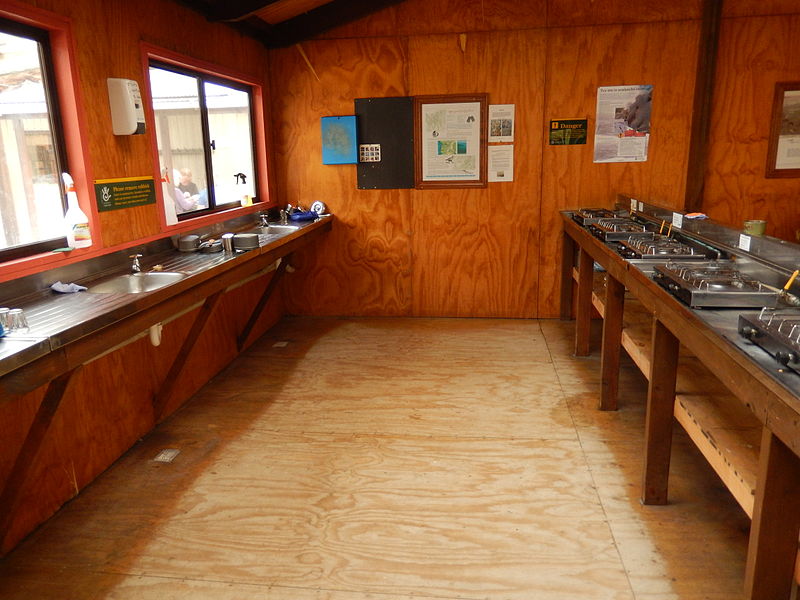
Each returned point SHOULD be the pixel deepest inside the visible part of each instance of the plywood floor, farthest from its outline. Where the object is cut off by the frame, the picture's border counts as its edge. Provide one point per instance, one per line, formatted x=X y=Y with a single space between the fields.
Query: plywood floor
x=380 y=459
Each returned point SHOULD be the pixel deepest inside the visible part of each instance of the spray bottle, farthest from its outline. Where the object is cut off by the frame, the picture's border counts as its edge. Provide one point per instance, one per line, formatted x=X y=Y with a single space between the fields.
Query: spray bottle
x=77 y=223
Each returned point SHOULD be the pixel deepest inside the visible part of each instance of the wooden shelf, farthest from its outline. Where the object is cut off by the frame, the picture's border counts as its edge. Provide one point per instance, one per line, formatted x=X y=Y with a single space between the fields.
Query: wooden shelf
x=727 y=434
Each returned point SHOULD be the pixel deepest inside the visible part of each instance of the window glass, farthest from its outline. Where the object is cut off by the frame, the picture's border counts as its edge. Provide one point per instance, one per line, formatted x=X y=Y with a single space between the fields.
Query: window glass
x=229 y=130
x=204 y=137
x=179 y=135
x=31 y=198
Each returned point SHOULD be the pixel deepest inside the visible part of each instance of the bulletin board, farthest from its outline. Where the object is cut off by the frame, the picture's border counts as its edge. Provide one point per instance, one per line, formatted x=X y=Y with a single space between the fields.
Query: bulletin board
x=390 y=123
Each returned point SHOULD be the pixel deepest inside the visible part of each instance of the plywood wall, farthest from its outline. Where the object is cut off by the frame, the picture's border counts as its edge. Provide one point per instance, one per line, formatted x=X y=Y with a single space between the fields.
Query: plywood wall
x=107 y=37
x=754 y=54
x=494 y=251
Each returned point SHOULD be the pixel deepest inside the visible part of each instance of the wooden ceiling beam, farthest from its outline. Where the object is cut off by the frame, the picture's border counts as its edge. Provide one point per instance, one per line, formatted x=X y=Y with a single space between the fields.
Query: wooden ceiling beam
x=240 y=14
x=330 y=15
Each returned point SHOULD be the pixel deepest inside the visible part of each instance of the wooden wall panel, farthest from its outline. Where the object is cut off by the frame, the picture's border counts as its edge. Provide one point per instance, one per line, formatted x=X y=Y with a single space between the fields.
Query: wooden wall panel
x=754 y=8
x=422 y=17
x=107 y=36
x=474 y=251
x=567 y=13
x=578 y=61
x=754 y=54
x=362 y=266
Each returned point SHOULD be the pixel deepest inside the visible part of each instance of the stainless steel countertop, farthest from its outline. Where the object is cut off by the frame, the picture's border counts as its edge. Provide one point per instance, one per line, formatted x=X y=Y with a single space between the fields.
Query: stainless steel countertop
x=57 y=319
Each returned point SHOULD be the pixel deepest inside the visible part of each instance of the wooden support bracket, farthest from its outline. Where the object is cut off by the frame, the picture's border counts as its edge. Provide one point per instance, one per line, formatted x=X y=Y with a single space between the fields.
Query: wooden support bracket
x=583 y=310
x=568 y=248
x=776 y=522
x=15 y=483
x=262 y=302
x=660 y=408
x=612 y=343
x=163 y=395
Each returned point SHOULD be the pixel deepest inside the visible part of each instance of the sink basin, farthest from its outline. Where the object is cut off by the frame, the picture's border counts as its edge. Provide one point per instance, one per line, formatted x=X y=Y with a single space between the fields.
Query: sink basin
x=136 y=283
x=277 y=228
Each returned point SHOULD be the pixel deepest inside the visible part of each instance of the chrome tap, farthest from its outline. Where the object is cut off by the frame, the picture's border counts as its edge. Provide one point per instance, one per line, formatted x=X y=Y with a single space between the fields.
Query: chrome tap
x=263 y=219
x=136 y=267
x=285 y=215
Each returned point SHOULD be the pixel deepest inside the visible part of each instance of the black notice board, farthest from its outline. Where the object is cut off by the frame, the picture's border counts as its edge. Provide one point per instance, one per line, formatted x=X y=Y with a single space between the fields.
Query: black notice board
x=390 y=123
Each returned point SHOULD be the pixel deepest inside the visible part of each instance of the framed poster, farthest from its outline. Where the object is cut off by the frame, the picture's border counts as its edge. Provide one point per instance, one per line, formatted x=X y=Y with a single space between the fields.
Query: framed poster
x=450 y=141
x=783 y=151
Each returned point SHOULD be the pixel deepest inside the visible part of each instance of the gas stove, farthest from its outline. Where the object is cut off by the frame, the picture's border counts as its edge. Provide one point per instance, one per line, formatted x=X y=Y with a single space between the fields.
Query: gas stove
x=713 y=284
x=665 y=247
x=584 y=216
x=777 y=331
x=616 y=229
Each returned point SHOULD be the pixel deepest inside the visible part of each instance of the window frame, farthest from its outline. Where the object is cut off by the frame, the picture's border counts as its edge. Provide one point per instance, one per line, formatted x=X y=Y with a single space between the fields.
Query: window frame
x=212 y=73
x=73 y=116
x=46 y=60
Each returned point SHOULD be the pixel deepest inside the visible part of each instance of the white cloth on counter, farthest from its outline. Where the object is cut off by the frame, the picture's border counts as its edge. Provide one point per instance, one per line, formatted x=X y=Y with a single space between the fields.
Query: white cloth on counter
x=66 y=288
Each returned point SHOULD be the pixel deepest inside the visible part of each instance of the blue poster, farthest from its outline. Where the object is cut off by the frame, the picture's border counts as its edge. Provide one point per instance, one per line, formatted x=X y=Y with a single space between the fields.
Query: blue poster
x=339 y=142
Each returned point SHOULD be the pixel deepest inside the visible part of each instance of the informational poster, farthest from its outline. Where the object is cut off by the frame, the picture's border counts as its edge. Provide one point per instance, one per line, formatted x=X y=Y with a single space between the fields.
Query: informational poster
x=788 y=154
x=568 y=132
x=124 y=192
x=622 y=133
x=501 y=163
x=451 y=141
x=501 y=123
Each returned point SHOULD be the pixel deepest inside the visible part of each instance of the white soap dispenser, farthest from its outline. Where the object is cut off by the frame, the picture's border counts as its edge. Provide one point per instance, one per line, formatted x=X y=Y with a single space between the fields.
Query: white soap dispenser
x=77 y=223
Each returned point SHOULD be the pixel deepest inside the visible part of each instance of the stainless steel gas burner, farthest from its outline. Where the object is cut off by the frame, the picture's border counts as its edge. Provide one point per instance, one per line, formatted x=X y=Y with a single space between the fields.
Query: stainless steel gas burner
x=777 y=331
x=662 y=246
x=713 y=284
x=616 y=229
x=585 y=216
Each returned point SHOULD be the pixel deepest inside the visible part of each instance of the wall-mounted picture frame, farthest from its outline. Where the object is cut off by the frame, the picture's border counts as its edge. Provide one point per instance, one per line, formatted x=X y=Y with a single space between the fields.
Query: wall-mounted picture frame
x=783 y=151
x=450 y=147
x=339 y=140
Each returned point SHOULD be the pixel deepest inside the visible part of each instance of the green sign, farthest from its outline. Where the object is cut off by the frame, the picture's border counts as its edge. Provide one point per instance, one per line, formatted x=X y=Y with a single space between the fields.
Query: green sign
x=568 y=132
x=113 y=194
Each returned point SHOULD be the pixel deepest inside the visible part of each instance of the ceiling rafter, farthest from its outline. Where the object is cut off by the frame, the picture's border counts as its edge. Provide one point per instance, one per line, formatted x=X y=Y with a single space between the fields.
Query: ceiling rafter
x=241 y=15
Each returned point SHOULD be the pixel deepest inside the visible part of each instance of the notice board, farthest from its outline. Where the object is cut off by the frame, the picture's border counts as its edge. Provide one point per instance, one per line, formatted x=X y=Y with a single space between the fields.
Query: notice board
x=390 y=123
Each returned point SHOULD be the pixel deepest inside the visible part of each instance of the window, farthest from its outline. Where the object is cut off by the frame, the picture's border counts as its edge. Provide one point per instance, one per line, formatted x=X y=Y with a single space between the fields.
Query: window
x=204 y=132
x=31 y=145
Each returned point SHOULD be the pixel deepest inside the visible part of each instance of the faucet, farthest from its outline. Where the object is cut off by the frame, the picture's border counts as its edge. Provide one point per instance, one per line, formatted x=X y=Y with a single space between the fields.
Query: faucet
x=263 y=219
x=136 y=267
x=285 y=214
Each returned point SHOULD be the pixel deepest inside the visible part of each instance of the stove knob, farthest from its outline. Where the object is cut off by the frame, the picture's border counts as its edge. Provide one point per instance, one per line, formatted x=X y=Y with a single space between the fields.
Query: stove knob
x=750 y=333
x=785 y=358
x=674 y=287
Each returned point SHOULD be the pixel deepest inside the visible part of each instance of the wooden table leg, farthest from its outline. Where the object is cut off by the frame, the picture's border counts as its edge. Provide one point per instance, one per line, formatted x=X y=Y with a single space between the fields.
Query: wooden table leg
x=660 y=408
x=612 y=343
x=583 y=310
x=776 y=522
x=567 y=283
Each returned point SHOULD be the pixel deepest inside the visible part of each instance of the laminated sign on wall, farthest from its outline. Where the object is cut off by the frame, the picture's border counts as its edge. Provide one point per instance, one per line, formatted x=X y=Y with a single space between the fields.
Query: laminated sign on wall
x=622 y=133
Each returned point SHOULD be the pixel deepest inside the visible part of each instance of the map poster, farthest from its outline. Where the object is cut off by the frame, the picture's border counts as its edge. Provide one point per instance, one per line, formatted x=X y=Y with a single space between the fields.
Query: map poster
x=339 y=142
x=451 y=141
x=622 y=133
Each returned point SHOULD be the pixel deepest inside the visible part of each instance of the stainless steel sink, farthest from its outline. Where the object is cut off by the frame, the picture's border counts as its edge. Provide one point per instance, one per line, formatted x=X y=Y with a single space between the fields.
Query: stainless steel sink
x=276 y=228
x=136 y=283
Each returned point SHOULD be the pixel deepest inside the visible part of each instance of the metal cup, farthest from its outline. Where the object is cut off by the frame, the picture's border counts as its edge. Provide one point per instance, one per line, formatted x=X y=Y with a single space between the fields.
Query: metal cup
x=17 y=320
x=227 y=242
